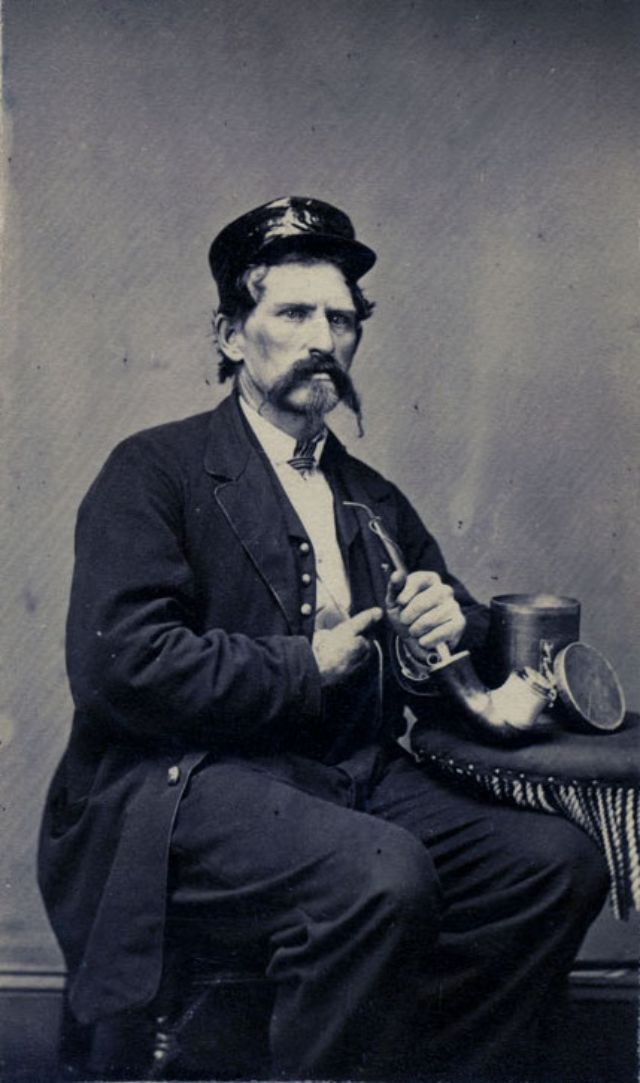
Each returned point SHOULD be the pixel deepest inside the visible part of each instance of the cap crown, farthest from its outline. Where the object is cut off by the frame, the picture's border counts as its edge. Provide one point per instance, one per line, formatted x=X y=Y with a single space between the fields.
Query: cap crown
x=293 y=223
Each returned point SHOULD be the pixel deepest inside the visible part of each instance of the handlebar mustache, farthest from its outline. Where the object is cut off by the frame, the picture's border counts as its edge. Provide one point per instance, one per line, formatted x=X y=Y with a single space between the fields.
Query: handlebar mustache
x=316 y=363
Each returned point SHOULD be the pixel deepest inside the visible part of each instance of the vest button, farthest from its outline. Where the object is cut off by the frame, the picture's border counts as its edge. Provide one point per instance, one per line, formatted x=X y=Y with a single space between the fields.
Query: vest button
x=304 y=547
x=173 y=775
x=306 y=609
x=306 y=579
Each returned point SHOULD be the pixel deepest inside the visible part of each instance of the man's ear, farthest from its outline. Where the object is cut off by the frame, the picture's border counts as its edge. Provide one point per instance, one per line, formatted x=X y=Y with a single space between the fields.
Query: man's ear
x=229 y=338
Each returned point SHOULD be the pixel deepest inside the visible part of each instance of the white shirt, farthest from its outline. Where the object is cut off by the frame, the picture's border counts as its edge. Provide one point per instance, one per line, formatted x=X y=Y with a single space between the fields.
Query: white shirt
x=312 y=500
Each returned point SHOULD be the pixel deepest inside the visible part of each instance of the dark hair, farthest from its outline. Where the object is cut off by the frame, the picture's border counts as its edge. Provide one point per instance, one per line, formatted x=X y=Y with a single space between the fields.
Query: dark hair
x=243 y=294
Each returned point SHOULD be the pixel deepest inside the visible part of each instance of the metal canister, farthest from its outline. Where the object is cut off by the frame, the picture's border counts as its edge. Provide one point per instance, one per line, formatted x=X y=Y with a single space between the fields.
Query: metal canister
x=529 y=630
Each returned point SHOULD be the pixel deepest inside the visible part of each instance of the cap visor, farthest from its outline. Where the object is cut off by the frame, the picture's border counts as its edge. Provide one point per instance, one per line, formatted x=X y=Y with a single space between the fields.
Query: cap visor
x=356 y=256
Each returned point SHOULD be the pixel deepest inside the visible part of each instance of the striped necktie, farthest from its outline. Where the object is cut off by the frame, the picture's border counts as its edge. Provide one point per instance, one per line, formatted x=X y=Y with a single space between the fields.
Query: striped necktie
x=304 y=454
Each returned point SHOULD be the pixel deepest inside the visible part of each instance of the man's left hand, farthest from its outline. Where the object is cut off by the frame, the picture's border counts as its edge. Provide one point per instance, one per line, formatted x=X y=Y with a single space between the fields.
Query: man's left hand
x=423 y=611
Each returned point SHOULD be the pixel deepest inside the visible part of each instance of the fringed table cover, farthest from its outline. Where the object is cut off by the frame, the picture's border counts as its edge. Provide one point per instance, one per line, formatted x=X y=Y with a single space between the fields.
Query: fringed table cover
x=592 y=779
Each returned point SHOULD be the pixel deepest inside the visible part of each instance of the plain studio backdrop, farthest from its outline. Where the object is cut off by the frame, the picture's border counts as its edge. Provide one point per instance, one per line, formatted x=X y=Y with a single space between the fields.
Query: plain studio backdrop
x=487 y=150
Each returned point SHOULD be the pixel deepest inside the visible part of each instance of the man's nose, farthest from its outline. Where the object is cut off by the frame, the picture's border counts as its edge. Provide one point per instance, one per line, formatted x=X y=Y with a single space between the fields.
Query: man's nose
x=321 y=334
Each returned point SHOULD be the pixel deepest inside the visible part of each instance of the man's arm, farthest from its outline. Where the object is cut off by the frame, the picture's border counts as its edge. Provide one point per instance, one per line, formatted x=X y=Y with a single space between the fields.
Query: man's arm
x=132 y=653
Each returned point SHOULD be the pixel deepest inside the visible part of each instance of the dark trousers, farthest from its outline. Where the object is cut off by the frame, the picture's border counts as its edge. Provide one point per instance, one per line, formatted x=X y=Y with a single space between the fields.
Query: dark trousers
x=413 y=931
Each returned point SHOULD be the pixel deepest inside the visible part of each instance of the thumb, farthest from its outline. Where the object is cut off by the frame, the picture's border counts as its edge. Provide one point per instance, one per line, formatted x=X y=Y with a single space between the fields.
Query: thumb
x=365 y=619
x=394 y=587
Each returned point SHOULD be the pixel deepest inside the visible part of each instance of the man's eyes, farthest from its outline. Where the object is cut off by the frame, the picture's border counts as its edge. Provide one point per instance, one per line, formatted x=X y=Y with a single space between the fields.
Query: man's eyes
x=341 y=321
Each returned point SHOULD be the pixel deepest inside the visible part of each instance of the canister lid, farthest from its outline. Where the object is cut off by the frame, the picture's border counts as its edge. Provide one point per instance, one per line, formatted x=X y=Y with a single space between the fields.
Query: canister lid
x=535 y=603
x=588 y=687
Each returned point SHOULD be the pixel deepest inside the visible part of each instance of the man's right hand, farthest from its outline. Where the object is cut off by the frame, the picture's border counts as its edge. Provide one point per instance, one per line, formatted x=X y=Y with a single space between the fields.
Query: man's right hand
x=339 y=651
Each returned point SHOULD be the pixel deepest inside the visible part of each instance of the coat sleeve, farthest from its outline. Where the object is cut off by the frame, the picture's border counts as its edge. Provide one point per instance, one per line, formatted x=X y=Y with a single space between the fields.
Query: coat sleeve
x=133 y=656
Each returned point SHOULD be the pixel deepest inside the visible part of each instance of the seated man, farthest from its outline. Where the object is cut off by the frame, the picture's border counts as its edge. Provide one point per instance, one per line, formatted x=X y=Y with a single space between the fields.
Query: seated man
x=240 y=658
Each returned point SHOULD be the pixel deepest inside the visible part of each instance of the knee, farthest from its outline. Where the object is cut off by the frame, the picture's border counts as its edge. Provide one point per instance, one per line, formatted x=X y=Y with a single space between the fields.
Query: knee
x=398 y=877
x=579 y=865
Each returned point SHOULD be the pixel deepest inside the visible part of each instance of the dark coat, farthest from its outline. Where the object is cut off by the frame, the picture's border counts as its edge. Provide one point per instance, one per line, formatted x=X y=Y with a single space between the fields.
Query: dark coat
x=186 y=637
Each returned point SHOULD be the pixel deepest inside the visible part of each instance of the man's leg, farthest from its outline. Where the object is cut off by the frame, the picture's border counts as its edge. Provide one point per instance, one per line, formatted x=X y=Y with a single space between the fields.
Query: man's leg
x=520 y=890
x=345 y=901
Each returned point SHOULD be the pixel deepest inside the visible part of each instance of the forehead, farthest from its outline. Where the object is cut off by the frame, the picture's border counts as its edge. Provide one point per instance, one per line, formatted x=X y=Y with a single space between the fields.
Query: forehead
x=320 y=283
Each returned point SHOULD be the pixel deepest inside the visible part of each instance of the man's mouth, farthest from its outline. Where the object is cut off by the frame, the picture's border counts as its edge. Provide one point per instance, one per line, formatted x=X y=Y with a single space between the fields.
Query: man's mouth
x=323 y=373
x=323 y=379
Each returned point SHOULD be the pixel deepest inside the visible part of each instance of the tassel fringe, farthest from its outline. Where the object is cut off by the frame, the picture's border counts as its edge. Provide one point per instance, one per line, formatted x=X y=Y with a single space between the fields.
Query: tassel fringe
x=610 y=815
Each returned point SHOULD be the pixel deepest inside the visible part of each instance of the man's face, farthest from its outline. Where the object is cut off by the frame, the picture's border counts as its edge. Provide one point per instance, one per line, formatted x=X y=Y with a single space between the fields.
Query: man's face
x=304 y=321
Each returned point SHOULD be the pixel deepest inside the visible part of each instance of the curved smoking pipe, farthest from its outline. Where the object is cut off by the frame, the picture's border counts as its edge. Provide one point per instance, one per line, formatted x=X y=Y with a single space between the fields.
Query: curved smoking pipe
x=503 y=712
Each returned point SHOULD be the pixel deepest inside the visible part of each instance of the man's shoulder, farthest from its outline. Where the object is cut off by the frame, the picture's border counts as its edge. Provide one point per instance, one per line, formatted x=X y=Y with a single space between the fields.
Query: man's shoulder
x=169 y=453
x=170 y=433
x=177 y=440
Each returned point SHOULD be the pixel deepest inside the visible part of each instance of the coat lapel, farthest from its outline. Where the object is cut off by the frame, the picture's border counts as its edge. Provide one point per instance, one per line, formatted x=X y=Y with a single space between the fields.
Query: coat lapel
x=247 y=492
x=352 y=481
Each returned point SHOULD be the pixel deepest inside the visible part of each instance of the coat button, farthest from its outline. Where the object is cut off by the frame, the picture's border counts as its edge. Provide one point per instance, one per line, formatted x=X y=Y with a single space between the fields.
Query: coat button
x=306 y=609
x=306 y=579
x=173 y=775
x=304 y=547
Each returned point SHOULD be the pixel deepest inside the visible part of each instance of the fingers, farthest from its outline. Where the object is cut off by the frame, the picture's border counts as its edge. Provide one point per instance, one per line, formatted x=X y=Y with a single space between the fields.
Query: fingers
x=416 y=583
x=446 y=613
x=364 y=620
x=447 y=632
x=426 y=600
x=339 y=651
x=424 y=610
x=361 y=650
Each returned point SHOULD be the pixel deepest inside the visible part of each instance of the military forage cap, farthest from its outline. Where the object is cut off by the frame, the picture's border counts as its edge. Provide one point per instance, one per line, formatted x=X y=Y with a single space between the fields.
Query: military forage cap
x=292 y=224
